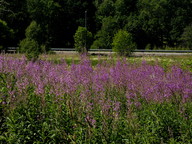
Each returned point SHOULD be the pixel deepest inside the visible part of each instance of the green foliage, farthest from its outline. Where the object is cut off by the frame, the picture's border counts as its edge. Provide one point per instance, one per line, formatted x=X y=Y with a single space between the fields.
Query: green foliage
x=3 y=91
x=154 y=22
x=186 y=37
x=39 y=119
x=31 y=121
x=46 y=118
x=83 y=40
x=106 y=8
x=159 y=123
x=104 y=37
x=31 y=118
x=125 y=7
x=42 y=13
x=123 y=43
x=6 y=34
x=151 y=19
x=148 y=47
x=159 y=23
x=34 y=31
x=31 y=45
x=17 y=18
x=31 y=49
x=42 y=10
x=2 y=6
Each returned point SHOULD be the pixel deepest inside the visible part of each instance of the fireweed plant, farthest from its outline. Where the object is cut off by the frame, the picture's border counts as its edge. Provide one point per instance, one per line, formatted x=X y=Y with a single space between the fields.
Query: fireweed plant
x=112 y=102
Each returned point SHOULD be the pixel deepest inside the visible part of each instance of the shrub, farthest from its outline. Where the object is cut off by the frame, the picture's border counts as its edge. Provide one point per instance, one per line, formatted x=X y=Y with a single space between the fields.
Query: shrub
x=123 y=43
x=83 y=40
x=31 y=49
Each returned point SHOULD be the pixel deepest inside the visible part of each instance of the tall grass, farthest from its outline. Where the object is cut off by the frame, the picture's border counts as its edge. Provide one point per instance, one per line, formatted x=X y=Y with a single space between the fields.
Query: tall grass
x=112 y=102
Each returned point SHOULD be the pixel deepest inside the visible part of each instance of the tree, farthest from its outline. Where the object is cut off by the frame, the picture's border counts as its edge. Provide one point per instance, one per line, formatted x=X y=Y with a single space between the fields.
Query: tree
x=186 y=37
x=42 y=12
x=5 y=35
x=32 y=45
x=179 y=15
x=3 y=5
x=123 y=9
x=71 y=14
x=123 y=43
x=156 y=22
x=106 y=9
x=151 y=22
x=17 y=18
x=104 y=36
x=161 y=22
x=83 y=40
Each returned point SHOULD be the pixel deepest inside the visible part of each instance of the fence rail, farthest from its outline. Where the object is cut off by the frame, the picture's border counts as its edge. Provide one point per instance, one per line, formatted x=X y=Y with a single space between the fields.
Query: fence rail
x=12 y=49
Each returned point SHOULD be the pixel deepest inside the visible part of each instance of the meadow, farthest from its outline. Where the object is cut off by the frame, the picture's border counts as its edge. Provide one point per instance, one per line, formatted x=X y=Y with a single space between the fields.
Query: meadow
x=96 y=99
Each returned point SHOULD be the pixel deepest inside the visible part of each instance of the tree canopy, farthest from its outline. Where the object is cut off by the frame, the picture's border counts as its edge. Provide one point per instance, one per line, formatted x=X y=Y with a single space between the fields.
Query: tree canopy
x=158 y=23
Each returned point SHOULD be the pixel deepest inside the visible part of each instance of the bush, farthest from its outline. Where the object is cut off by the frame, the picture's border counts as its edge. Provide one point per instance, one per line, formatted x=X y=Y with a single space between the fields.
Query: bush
x=31 y=49
x=123 y=43
x=83 y=40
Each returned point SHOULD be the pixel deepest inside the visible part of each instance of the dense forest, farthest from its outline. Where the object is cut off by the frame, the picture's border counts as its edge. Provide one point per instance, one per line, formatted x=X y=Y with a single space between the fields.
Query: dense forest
x=53 y=23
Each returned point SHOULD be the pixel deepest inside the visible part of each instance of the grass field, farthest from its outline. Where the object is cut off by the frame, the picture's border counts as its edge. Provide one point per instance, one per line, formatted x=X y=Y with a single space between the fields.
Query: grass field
x=96 y=99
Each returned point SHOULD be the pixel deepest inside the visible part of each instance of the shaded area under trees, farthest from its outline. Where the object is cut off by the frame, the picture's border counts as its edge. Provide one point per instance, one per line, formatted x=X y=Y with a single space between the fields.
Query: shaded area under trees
x=158 y=23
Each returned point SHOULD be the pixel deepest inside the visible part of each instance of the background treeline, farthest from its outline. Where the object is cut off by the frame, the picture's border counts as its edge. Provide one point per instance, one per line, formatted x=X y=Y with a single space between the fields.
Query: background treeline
x=53 y=23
